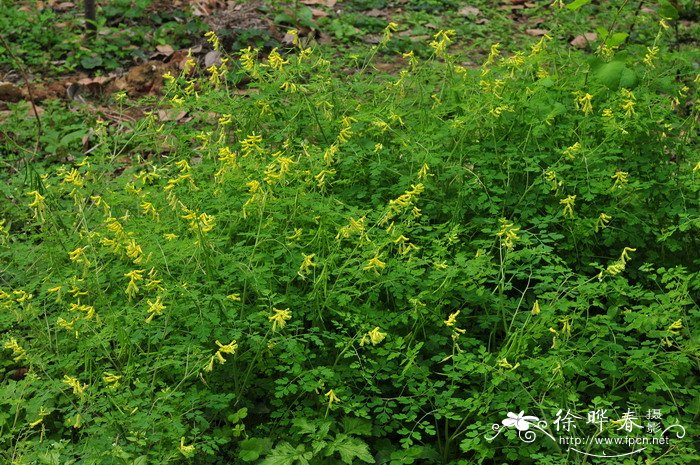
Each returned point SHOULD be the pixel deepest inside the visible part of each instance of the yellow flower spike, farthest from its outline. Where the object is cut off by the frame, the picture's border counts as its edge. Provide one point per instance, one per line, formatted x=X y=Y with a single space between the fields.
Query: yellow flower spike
x=568 y=203
x=275 y=60
x=296 y=235
x=154 y=309
x=38 y=205
x=376 y=336
x=306 y=264
x=134 y=276
x=18 y=352
x=508 y=234
x=675 y=327
x=187 y=451
x=149 y=209
x=229 y=348
x=602 y=223
x=536 y=308
x=134 y=252
x=504 y=363
x=423 y=172
x=111 y=379
x=279 y=318
x=452 y=319
x=78 y=255
x=583 y=103
x=374 y=264
x=566 y=326
x=234 y=297
x=78 y=389
x=251 y=144
x=184 y=166
x=624 y=257
x=213 y=39
x=170 y=236
x=570 y=152
x=210 y=365
x=621 y=179
x=332 y=397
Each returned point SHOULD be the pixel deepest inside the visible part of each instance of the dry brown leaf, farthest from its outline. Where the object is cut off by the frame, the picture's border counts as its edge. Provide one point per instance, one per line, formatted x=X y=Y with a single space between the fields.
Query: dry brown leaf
x=10 y=92
x=583 y=40
x=171 y=114
x=536 y=32
x=328 y=3
x=469 y=11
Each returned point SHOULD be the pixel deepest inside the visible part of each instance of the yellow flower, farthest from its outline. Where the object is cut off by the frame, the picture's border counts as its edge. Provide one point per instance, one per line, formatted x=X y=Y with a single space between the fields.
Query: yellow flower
x=111 y=379
x=570 y=152
x=306 y=264
x=275 y=60
x=568 y=203
x=503 y=363
x=78 y=389
x=251 y=144
x=675 y=327
x=148 y=208
x=566 y=326
x=536 y=308
x=423 y=172
x=651 y=56
x=78 y=255
x=621 y=178
x=17 y=351
x=583 y=103
x=133 y=251
x=213 y=39
x=376 y=336
x=187 y=451
x=38 y=205
x=442 y=40
x=234 y=297
x=42 y=413
x=154 y=308
x=602 y=222
x=332 y=397
x=229 y=348
x=169 y=236
x=134 y=277
x=452 y=319
x=375 y=264
x=624 y=257
x=279 y=318
x=296 y=235
x=508 y=234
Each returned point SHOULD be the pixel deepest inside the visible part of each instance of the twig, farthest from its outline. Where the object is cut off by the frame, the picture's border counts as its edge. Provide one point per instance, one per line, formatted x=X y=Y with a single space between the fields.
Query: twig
x=30 y=92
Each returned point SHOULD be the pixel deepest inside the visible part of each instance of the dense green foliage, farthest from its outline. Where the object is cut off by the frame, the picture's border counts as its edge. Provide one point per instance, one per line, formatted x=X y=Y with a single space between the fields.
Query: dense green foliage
x=322 y=267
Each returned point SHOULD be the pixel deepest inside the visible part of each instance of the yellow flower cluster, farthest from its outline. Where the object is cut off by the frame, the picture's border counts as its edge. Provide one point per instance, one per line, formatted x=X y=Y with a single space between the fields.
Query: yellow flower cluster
x=306 y=265
x=73 y=382
x=18 y=353
x=568 y=203
x=279 y=318
x=373 y=337
x=583 y=102
x=618 y=266
x=229 y=348
x=38 y=205
x=508 y=234
x=602 y=222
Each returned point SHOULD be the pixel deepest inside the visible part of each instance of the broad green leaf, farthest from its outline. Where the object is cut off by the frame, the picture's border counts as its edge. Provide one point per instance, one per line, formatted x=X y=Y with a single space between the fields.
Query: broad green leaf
x=576 y=4
x=350 y=448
